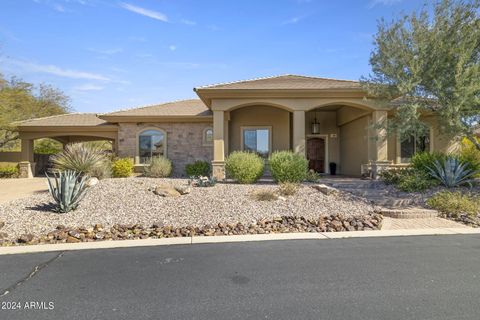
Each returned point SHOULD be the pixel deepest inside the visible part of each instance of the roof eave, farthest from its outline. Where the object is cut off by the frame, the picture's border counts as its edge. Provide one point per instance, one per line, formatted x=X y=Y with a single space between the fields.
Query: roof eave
x=145 y=118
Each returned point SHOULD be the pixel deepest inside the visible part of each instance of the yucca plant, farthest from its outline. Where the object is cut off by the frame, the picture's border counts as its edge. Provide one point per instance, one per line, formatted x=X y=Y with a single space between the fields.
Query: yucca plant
x=451 y=172
x=79 y=157
x=68 y=189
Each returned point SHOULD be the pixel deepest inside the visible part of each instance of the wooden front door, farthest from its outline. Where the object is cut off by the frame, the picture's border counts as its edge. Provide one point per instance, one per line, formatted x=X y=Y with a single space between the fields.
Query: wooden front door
x=316 y=154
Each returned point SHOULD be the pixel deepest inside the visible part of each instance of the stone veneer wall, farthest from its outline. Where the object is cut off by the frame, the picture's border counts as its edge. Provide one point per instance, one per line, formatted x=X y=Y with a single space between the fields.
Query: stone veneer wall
x=184 y=142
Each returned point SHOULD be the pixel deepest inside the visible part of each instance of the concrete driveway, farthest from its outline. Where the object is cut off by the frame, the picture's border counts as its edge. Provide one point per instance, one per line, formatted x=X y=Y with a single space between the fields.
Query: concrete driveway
x=11 y=189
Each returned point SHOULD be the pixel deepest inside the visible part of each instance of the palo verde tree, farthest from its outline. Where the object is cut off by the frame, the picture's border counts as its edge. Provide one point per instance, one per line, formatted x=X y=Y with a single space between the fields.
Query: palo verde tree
x=21 y=100
x=430 y=62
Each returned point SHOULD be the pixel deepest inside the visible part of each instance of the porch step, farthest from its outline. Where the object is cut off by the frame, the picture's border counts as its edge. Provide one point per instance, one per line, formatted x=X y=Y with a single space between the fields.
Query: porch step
x=410 y=213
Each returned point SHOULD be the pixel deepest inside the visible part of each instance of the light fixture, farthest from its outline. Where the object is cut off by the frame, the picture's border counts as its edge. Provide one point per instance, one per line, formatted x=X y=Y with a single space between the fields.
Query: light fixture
x=315 y=125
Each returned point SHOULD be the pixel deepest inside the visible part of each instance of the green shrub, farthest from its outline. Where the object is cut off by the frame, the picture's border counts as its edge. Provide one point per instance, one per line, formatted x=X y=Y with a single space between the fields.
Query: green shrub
x=198 y=169
x=244 y=167
x=9 y=171
x=122 y=168
x=408 y=180
x=469 y=154
x=415 y=181
x=287 y=166
x=158 y=167
x=455 y=203
x=424 y=160
x=79 y=157
x=313 y=176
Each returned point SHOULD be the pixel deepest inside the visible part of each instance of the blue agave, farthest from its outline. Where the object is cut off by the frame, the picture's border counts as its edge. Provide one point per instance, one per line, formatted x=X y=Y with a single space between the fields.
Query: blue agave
x=451 y=172
x=67 y=189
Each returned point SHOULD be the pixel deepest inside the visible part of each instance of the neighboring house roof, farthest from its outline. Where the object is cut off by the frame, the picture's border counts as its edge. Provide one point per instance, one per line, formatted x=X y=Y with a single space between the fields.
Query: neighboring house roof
x=286 y=82
x=65 y=120
x=184 y=108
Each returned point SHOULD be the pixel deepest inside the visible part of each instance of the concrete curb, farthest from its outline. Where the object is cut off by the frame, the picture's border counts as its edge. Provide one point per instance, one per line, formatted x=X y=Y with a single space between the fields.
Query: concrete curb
x=235 y=238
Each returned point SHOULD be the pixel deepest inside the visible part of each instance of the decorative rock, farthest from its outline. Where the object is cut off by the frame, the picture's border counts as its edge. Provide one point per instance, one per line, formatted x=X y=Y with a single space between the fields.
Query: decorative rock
x=25 y=238
x=3 y=235
x=326 y=190
x=72 y=240
x=183 y=189
x=2 y=224
x=166 y=191
x=91 y=182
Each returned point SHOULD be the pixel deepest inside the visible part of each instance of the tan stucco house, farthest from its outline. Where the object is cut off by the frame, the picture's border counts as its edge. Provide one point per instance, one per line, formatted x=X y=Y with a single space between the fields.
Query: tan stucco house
x=327 y=120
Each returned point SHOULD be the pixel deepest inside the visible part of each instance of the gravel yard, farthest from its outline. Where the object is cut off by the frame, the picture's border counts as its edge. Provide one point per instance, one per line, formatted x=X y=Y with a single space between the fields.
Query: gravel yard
x=129 y=201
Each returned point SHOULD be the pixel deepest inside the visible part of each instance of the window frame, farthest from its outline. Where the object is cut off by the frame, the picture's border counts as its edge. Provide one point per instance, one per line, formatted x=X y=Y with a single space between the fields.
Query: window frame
x=401 y=159
x=269 y=128
x=205 y=143
x=139 y=133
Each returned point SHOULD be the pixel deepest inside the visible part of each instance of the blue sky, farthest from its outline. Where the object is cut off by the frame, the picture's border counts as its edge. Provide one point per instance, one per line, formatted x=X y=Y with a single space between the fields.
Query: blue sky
x=108 y=55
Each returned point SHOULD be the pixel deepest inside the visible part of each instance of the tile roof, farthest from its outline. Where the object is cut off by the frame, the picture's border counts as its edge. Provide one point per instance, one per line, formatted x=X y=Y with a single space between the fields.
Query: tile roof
x=192 y=108
x=285 y=82
x=68 y=119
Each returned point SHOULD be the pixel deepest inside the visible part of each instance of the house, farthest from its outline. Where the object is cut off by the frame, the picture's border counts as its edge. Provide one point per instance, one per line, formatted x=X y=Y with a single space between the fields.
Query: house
x=327 y=120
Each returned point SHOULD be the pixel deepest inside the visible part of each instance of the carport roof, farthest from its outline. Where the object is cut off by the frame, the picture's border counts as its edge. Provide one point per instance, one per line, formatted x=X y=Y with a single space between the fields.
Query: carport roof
x=65 y=120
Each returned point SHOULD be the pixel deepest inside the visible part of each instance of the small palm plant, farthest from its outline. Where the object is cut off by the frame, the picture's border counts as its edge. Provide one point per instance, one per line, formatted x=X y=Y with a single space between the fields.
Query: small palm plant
x=68 y=189
x=451 y=172
x=79 y=157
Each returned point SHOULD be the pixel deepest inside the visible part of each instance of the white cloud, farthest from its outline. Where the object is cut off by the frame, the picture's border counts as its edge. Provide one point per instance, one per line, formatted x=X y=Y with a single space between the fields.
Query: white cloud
x=55 y=70
x=188 y=22
x=172 y=47
x=145 y=12
x=374 y=3
x=59 y=7
x=88 y=87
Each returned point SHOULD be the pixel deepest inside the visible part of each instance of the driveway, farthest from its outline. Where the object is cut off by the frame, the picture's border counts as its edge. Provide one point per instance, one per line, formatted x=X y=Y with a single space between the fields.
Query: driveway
x=11 y=189
x=427 y=277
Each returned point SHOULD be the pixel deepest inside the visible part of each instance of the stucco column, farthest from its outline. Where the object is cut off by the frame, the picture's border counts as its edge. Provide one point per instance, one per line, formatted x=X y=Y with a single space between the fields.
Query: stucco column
x=299 y=132
x=218 y=163
x=27 y=164
x=379 y=143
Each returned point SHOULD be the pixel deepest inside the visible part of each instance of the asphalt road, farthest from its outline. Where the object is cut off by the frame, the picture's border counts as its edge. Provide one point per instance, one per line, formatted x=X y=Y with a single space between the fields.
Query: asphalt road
x=427 y=277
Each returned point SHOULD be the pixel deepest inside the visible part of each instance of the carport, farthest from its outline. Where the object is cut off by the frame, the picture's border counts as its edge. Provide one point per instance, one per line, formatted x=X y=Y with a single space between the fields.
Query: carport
x=66 y=128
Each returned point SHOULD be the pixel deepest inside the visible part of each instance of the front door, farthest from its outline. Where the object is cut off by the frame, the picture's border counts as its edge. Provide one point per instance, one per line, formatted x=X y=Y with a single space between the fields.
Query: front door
x=316 y=154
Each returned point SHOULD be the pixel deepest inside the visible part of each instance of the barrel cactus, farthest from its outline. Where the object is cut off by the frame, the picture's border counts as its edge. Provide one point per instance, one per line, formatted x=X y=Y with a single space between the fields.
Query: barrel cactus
x=67 y=189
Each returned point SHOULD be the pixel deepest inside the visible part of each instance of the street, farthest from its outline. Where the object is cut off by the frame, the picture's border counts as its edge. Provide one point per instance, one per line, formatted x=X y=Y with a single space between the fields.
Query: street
x=421 y=277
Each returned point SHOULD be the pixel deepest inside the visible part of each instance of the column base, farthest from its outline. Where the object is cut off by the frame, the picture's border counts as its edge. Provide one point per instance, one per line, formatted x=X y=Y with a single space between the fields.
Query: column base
x=218 y=170
x=26 y=169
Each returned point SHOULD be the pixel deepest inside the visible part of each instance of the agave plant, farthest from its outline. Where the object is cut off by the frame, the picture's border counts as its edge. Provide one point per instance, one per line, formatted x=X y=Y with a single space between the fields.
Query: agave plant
x=451 y=172
x=79 y=157
x=68 y=189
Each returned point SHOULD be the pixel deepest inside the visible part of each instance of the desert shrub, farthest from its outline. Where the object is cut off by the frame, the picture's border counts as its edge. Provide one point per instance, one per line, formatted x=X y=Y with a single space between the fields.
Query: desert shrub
x=408 y=180
x=244 y=167
x=469 y=154
x=455 y=203
x=264 y=195
x=158 y=167
x=103 y=170
x=202 y=181
x=424 y=160
x=312 y=176
x=288 y=188
x=452 y=172
x=287 y=166
x=122 y=168
x=8 y=170
x=198 y=169
x=79 y=157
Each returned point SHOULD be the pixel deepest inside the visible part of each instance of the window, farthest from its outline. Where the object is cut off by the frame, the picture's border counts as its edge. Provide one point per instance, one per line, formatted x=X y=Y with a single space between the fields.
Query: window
x=208 y=137
x=414 y=145
x=151 y=143
x=257 y=140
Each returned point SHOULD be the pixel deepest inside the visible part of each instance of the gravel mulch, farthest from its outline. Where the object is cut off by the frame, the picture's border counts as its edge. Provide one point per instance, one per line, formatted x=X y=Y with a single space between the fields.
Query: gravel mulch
x=129 y=201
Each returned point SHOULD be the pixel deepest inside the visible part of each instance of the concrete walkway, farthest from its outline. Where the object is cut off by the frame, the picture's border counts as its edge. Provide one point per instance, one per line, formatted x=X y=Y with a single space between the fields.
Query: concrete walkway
x=11 y=189
x=427 y=223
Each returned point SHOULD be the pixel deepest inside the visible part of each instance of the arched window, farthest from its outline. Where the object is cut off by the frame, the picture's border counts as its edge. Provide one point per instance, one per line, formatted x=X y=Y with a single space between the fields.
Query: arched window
x=208 y=137
x=151 y=143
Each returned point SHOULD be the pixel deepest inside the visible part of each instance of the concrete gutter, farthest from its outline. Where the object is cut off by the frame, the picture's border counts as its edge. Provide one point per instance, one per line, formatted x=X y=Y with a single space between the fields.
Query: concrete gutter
x=235 y=238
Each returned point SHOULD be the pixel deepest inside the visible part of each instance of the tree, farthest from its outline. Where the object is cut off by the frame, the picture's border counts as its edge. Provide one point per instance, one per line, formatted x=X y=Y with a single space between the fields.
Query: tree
x=430 y=62
x=21 y=100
